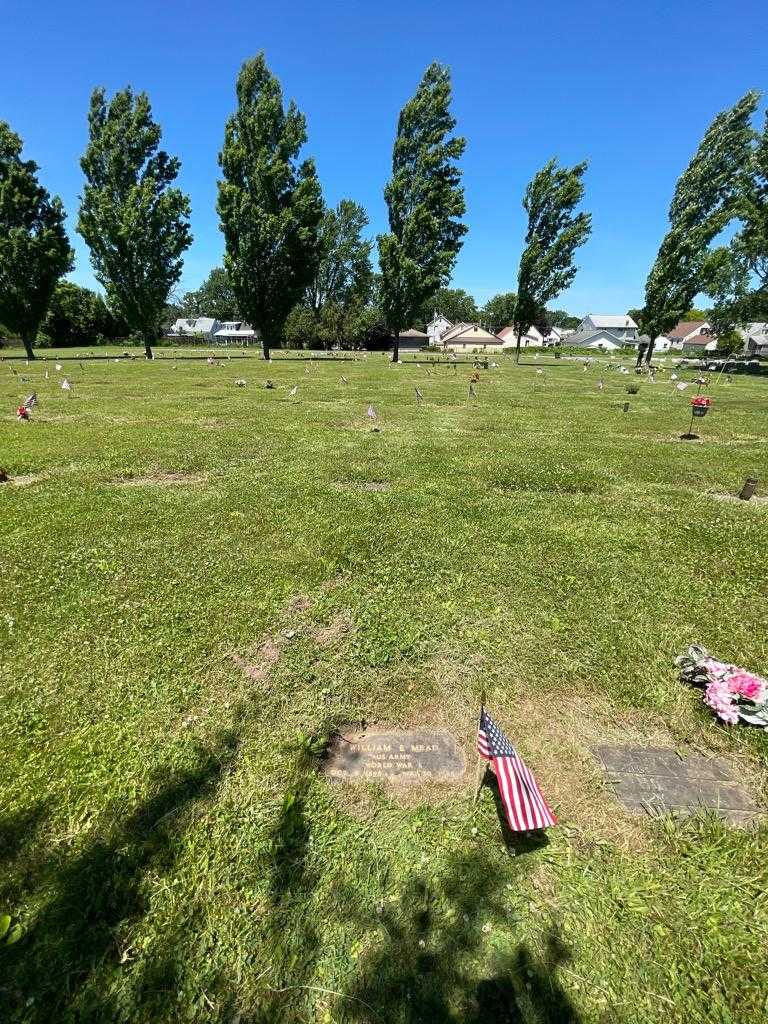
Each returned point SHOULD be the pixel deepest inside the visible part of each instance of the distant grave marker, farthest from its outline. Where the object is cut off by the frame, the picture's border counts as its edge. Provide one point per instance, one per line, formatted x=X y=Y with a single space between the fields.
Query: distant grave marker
x=749 y=488
x=659 y=781
x=401 y=756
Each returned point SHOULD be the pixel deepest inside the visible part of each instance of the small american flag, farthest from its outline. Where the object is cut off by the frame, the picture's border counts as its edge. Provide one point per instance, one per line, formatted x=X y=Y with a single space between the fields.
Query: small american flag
x=524 y=804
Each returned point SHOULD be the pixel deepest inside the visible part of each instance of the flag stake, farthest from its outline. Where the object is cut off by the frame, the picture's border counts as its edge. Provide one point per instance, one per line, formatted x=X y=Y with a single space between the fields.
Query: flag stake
x=480 y=770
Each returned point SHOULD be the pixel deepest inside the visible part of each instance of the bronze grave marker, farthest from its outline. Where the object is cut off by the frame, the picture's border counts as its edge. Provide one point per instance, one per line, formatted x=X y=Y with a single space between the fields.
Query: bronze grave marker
x=659 y=781
x=402 y=756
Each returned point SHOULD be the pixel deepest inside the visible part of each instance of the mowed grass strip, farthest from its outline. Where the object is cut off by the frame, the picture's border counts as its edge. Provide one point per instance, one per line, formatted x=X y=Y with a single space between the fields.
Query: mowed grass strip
x=200 y=581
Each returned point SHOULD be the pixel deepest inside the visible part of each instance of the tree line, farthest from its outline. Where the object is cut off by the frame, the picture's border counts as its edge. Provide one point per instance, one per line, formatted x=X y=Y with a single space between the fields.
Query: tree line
x=297 y=269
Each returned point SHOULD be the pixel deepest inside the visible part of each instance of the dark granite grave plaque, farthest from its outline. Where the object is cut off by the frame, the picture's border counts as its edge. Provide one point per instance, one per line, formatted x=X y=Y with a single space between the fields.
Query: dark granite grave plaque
x=659 y=781
x=403 y=757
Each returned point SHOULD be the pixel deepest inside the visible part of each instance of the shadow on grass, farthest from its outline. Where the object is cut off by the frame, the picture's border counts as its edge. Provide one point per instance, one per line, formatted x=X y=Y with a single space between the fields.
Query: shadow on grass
x=515 y=843
x=19 y=829
x=54 y=973
x=425 y=964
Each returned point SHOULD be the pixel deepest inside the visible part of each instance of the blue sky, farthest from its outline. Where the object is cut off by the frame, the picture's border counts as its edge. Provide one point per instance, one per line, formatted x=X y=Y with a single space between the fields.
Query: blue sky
x=630 y=87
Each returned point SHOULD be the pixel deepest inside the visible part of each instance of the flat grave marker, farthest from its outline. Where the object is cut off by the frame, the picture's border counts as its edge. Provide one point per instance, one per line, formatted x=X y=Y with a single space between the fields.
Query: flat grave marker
x=393 y=755
x=658 y=780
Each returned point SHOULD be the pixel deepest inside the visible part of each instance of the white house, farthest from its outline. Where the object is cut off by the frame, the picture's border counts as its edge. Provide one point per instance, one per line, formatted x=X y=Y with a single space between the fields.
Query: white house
x=693 y=334
x=200 y=328
x=556 y=336
x=533 y=338
x=621 y=327
x=235 y=332
x=208 y=328
x=755 y=339
x=661 y=344
x=437 y=327
x=595 y=338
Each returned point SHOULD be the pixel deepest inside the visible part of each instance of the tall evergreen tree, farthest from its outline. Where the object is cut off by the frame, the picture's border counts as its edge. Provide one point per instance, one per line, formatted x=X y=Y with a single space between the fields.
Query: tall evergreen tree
x=554 y=234
x=269 y=206
x=135 y=222
x=754 y=212
x=425 y=201
x=34 y=248
x=707 y=196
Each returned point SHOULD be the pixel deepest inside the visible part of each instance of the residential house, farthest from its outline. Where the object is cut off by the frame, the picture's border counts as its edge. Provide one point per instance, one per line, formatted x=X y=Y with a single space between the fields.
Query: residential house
x=755 y=339
x=556 y=336
x=200 y=328
x=534 y=337
x=595 y=338
x=409 y=341
x=235 y=332
x=692 y=334
x=661 y=344
x=471 y=338
x=437 y=327
x=621 y=327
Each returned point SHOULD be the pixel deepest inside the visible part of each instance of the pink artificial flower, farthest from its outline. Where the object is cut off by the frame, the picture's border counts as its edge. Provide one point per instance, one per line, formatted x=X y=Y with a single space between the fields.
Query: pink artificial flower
x=747 y=685
x=720 y=699
x=716 y=670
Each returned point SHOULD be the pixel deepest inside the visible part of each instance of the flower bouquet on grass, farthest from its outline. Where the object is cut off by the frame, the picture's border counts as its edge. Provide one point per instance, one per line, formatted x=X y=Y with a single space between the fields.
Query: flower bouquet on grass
x=734 y=694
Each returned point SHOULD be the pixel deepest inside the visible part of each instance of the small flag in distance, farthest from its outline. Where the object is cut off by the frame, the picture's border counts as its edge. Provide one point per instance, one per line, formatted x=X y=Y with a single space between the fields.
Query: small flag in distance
x=371 y=413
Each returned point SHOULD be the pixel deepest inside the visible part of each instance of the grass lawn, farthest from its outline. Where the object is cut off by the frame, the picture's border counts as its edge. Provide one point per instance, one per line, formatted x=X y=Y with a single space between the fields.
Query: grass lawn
x=200 y=581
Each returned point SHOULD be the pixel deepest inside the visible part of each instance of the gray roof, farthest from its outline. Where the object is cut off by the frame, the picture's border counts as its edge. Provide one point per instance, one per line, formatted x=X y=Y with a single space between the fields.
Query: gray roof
x=608 y=320
x=585 y=337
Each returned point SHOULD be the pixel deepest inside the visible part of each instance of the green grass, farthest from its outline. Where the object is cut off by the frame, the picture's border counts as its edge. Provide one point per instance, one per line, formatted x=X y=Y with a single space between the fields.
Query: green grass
x=166 y=841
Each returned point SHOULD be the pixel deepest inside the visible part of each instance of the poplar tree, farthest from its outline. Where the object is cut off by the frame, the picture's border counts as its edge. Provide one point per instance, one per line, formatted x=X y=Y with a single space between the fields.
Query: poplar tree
x=554 y=234
x=425 y=201
x=34 y=248
x=135 y=222
x=270 y=206
x=707 y=197
x=752 y=241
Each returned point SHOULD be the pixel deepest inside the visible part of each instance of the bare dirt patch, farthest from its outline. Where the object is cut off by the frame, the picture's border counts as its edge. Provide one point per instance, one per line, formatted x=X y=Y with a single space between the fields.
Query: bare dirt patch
x=161 y=478
x=299 y=603
x=339 y=626
x=256 y=665
x=25 y=479
x=734 y=499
